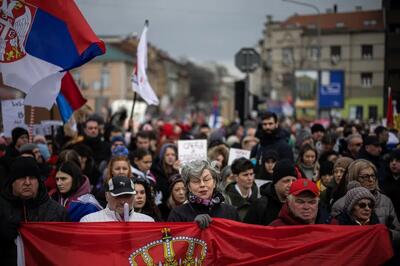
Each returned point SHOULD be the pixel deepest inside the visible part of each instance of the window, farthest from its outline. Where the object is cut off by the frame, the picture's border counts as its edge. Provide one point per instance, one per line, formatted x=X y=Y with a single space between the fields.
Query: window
x=311 y=26
x=313 y=53
x=356 y=112
x=373 y=112
x=366 y=79
x=367 y=51
x=371 y=22
x=336 y=53
x=105 y=78
x=287 y=56
x=339 y=25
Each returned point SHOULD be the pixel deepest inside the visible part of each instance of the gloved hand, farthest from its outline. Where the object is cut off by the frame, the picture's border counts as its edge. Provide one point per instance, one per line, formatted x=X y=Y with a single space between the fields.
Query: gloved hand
x=9 y=228
x=203 y=220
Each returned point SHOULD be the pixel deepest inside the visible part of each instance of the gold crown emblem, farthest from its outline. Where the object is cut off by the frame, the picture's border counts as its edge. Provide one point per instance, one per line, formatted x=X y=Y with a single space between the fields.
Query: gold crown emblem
x=163 y=252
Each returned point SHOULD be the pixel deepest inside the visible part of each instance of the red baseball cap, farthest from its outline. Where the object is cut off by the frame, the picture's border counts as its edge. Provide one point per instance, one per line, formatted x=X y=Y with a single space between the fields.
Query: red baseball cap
x=303 y=184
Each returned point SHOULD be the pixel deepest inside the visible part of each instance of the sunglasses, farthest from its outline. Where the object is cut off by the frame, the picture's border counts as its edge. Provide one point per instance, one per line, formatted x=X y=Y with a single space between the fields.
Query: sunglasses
x=363 y=205
x=365 y=177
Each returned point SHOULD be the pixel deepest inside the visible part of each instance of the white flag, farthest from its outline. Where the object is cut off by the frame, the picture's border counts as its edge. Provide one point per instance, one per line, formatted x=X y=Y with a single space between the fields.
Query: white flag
x=140 y=83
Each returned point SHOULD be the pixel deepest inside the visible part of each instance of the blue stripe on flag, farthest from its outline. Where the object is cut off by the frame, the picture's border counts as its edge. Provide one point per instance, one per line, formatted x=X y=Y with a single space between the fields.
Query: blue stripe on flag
x=51 y=41
x=64 y=108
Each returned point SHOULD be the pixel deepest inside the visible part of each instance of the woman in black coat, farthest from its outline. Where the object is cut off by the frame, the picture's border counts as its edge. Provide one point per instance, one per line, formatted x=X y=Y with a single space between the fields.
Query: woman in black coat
x=204 y=200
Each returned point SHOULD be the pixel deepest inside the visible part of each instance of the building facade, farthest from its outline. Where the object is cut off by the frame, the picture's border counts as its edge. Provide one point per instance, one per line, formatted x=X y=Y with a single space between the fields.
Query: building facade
x=107 y=78
x=294 y=51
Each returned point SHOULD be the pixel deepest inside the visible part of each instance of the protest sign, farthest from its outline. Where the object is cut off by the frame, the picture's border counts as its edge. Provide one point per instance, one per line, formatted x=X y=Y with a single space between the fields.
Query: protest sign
x=237 y=153
x=13 y=115
x=190 y=150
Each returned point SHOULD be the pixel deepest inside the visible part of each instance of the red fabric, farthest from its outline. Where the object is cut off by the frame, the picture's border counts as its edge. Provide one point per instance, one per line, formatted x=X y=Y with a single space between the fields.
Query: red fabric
x=228 y=243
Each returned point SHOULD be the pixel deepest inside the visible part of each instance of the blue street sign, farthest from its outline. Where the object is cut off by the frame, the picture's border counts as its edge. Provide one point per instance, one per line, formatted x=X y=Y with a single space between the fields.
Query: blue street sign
x=331 y=89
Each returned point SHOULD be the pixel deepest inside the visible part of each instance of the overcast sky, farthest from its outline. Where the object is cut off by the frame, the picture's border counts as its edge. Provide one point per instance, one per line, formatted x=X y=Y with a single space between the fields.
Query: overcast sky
x=201 y=30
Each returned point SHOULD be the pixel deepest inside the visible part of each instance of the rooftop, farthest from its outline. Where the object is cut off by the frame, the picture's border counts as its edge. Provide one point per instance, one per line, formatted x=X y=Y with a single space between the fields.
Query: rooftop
x=355 y=21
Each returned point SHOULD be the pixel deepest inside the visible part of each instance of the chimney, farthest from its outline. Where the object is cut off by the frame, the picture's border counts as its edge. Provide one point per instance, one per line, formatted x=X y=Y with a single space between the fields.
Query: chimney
x=335 y=8
x=269 y=19
x=358 y=8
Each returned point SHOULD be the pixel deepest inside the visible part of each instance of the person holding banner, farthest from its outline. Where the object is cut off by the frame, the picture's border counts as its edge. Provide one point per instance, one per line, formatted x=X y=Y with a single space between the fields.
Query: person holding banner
x=24 y=198
x=301 y=207
x=204 y=200
x=72 y=192
x=120 y=191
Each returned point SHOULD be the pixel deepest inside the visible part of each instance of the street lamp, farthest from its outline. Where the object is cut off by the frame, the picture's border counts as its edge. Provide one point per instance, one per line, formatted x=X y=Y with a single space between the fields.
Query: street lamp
x=318 y=39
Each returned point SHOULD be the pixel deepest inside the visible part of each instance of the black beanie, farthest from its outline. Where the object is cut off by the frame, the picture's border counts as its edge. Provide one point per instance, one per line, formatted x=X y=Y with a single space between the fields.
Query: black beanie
x=22 y=167
x=17 y=132
x=75 y=172
x=282 y=169
x=326 y=168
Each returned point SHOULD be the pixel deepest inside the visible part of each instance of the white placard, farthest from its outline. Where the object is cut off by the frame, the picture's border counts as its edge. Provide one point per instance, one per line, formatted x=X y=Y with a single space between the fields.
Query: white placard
x=237 y=153
x=46 y=126
x=13 y=114
x=190 y=150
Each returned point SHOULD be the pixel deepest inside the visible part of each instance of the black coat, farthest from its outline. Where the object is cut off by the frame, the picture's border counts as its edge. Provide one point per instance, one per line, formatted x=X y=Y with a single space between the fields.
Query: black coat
x=277 y=141
x=345 y=219
x=187 y=212
x=13 y=210
x=265 y=209
x=391 y=188
x=242 y=204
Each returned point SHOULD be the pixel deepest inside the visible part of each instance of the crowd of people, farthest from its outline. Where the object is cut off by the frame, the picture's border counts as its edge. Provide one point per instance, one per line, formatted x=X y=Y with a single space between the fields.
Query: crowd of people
x=298 y=173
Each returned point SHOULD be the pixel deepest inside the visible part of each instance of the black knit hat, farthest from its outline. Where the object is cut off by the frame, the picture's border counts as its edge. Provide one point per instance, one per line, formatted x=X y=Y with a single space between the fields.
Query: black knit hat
x=282 y=169
x=22 y=167
x=17 y=132
x=326 y=168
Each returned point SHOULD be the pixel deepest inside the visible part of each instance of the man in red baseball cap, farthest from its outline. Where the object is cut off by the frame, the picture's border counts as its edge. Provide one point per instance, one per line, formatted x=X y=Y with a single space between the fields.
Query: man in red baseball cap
x=302 y=206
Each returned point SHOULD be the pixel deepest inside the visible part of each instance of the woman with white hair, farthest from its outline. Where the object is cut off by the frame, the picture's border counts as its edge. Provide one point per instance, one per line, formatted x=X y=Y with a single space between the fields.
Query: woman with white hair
x=204 y=200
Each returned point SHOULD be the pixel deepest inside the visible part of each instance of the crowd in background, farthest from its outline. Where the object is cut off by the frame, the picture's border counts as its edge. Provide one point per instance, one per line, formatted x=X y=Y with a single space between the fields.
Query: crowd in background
x=298 y=173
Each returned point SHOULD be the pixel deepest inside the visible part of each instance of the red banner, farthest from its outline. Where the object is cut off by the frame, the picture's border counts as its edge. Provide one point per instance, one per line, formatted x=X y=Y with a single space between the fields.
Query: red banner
x=225 y=242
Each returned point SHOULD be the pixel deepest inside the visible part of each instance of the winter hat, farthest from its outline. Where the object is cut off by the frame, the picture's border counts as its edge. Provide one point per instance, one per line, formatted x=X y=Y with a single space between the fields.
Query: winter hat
x=44 y=151
x=395 y=154
x=22 y=167
x=270 y=154
x=75 y=172
x=117 y=138
x=17 y=133
x=326 y=168
x=282 y=169
x=120 y=151
x=27 y=148
x=175 y=179
x=356 y=194
x=343 y=162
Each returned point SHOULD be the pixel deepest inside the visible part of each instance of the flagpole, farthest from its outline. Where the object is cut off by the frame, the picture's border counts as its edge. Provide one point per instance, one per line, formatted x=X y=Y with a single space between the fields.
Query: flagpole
x=133 y=104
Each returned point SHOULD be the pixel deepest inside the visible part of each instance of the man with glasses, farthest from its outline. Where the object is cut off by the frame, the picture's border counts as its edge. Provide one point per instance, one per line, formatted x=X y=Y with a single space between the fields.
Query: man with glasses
x=302 y=206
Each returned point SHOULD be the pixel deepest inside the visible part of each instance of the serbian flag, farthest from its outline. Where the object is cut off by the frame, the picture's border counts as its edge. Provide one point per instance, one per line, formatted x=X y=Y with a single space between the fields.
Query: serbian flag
x=225 y=242
x=140 y=82
x=70 y=98
x=389 y=112
x=40 y=40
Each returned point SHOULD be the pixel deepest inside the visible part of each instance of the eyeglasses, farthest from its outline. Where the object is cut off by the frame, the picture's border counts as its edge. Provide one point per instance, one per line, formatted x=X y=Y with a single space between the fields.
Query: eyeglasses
x=363 y=205
x=366 y=177
x=205 y=180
